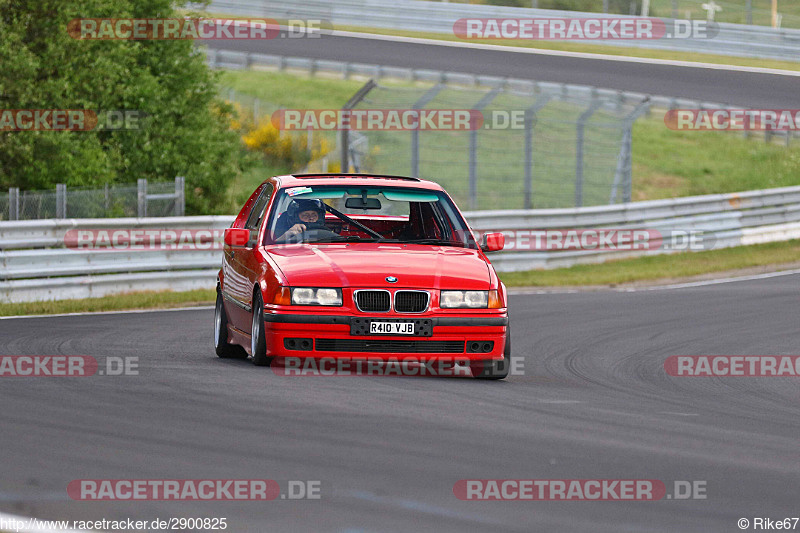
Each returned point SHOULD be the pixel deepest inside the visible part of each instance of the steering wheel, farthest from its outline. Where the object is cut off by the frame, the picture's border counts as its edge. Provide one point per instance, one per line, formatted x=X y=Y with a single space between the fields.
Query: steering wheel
x=303 y=236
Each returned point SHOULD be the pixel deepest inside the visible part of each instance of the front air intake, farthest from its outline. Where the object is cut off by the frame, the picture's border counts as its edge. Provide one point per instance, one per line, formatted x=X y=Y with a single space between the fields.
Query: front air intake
x=373 y=301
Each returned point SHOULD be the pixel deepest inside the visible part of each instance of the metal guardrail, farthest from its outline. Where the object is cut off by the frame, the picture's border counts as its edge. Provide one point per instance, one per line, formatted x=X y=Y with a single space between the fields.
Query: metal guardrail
x=35 y=265
x=439 y=17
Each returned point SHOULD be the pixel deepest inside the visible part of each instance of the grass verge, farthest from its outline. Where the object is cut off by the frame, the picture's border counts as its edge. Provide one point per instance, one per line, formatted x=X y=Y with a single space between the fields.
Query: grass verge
x=119 y=302
x=666 y=163
x=659 y=267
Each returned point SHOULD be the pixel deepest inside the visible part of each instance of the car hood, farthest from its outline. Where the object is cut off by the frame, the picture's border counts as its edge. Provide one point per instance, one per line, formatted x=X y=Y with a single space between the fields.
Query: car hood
x=368 y=264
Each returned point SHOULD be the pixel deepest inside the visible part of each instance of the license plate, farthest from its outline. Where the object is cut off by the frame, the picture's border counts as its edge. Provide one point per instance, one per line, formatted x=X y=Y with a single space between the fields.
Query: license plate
x=391 y=328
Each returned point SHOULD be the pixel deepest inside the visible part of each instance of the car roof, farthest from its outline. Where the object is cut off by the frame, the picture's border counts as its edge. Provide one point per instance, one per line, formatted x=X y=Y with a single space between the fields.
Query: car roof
x=359 y=180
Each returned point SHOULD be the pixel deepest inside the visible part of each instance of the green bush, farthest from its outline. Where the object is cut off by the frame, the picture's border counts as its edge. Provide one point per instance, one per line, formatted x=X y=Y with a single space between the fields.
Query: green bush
x=186 y=132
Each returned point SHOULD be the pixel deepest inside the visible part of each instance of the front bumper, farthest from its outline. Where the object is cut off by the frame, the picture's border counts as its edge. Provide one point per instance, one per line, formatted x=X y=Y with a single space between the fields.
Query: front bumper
x=445 y=338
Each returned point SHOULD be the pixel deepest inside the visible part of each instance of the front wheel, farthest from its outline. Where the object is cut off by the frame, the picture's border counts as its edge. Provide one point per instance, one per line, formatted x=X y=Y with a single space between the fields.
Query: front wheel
x=495 y=369
x=221 y=345
x=258 y=343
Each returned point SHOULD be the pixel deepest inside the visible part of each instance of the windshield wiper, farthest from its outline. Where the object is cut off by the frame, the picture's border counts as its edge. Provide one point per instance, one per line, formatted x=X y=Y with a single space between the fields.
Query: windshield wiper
x=432 y=241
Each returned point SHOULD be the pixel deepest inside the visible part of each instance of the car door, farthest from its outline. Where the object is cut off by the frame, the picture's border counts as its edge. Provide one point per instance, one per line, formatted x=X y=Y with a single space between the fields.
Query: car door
x=244 y=263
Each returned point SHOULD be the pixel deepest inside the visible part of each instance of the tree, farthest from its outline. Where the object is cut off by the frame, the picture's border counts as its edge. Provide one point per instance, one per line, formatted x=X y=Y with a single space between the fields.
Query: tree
x=186 y=132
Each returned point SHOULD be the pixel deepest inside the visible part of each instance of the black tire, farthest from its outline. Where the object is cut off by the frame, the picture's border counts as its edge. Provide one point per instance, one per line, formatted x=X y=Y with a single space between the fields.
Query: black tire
x=221 y=345
x=495 y=369
x=258 y=343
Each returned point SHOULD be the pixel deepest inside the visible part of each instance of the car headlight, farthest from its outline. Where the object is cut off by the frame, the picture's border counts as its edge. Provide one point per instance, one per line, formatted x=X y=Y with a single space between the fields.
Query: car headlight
x=468 y=299
x=316 y=296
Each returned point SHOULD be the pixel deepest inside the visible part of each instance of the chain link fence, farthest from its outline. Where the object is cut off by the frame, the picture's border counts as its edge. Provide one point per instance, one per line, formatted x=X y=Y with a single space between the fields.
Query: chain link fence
x=153 y=199
x=546 y=148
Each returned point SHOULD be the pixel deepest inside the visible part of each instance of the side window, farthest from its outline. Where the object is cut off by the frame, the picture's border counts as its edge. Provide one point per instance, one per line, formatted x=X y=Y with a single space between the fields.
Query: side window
x=259 y=208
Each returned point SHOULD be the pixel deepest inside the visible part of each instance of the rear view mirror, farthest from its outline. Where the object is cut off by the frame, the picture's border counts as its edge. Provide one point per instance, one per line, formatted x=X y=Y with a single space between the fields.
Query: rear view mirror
x=362 y=203
x=237 y=237
x=493 y=242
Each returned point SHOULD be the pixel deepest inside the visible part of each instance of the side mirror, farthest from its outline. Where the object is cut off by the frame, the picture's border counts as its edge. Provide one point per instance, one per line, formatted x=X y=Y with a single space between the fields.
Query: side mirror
x=493 y=242
x=237 y=237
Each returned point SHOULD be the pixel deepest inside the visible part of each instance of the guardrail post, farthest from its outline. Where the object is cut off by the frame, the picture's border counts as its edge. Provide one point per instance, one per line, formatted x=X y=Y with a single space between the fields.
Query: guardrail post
x=749 y=8
x=579 y=141
x=141 y=185
x=13 y=203
x=61 y=200
x=180 y=196
x=473 y=148
x=419 y=104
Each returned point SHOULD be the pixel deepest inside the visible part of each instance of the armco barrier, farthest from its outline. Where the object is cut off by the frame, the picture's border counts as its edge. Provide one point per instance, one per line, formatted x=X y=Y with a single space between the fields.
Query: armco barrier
x=439 y=17
x=35 y=265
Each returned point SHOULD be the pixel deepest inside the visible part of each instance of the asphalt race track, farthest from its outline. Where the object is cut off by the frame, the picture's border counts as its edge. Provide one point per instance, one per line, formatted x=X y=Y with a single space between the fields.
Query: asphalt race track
x=594 y=402
x=724 y=86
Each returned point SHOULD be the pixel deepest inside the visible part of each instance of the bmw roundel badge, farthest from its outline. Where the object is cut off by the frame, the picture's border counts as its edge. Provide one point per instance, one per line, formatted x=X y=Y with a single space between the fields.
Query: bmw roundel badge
x=391 y=279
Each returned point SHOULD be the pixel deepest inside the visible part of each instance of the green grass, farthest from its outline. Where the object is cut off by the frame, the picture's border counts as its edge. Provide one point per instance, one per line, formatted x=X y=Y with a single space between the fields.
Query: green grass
x=666 y=163
x=659 y=266
x=119 y=302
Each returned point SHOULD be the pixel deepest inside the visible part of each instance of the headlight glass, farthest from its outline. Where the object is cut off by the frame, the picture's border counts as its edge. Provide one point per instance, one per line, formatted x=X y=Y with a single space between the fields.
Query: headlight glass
x=316 y=296
x=464 y=299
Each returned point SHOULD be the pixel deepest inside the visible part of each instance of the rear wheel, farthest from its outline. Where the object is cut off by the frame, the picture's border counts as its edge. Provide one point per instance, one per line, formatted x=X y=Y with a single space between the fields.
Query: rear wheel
x=221 y=345
x=258 y=343
x=495 y=369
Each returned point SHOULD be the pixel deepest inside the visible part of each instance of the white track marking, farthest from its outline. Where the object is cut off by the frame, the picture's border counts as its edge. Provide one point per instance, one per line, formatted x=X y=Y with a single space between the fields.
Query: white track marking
x=563 y=53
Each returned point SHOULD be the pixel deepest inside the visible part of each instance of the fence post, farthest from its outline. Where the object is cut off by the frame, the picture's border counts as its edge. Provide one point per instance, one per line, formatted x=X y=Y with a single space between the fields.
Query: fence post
x=530 y=122
x=749 y=8
x=180 y=196
x=344 y=139
x=13 y=203
x=624 y=171
x=473 y=148
x=419 y=104
x=141 y=185
x=61 y=200
x=579 y=140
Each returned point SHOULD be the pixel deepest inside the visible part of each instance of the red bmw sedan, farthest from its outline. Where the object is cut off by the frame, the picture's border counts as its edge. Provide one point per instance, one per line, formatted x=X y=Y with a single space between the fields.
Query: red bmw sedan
x=361 y=267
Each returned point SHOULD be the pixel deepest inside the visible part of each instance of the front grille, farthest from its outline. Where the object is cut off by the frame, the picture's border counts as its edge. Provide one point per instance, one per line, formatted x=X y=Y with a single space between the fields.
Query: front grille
x=388 y=346
x=410 y=301
x=373 y=301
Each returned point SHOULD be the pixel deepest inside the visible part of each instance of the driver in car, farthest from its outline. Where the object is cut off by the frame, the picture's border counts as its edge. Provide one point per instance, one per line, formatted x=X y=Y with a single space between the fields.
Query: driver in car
x=300 y=216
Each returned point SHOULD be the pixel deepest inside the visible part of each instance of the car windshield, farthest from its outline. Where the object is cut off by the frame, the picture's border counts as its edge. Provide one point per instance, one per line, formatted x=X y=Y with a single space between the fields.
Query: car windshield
x=321 y=214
